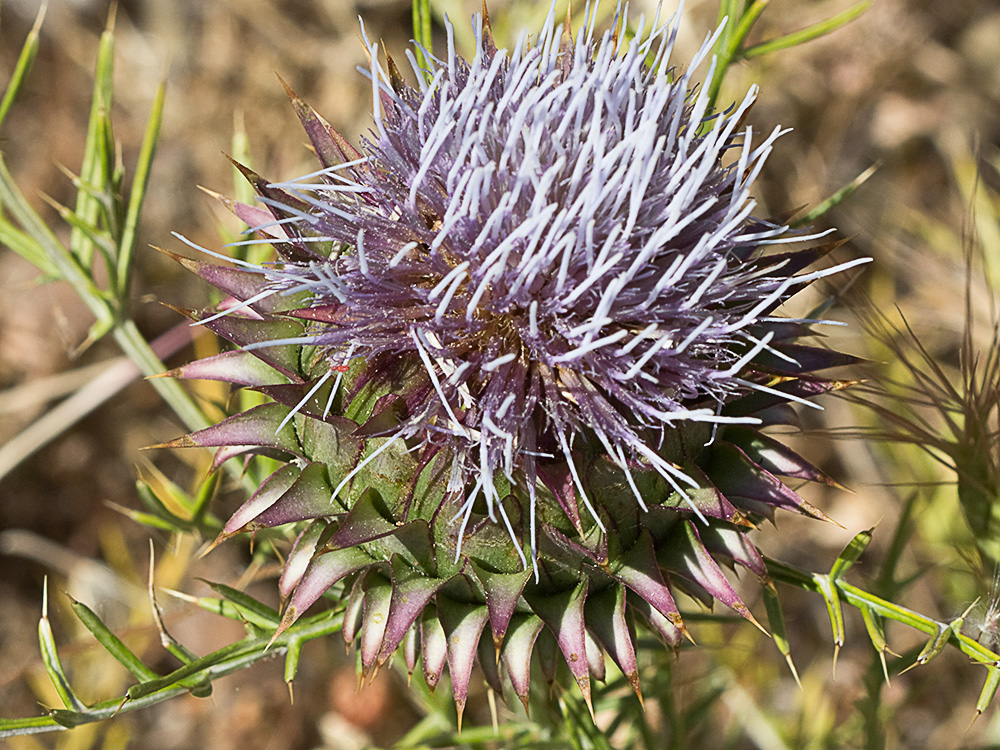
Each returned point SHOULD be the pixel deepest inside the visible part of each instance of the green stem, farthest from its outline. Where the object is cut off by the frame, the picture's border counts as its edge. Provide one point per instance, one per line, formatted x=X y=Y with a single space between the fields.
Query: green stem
x=858 y=598
x=219 y=663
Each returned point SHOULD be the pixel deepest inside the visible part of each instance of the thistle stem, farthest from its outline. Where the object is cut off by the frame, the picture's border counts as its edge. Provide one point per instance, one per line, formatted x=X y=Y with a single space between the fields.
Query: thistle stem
x=860 y=598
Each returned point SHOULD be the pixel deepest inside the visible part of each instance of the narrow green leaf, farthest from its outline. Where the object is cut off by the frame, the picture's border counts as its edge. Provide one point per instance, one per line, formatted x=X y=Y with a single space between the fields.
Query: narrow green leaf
x=776 y=619
x=210 y=667
x=851 y=553
x=292 y=660
x=828 y=591
x=219 y=606
x=72 y=719
x=95 y=170
x=422 y=31
x=876 y=631
x=50 y=657
x=933 y=647
x=156 y=508
x=254 y=611
x=171 y=644
x=126 y=244
x=989 y=690
x=192 y=671
x=838 y=197
x=200 y=502
x=23 y=65
x=112 y=643
x=808 y=34
x=96 y=235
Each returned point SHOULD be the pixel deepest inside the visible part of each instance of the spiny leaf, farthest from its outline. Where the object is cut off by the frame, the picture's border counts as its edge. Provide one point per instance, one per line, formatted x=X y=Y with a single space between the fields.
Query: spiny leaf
x=50 y=658
x=433 y=647
x=378 y=598
x=411 y=592
x=503 y=591
x=112 y=643
x=606 y=619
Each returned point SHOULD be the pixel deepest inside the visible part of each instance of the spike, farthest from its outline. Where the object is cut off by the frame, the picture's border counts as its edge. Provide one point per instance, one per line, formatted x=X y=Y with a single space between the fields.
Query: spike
x=395 y=79
x=693 y=562
x=640 y=571
x=324 y=571
x=267 y=494
x=737 y=476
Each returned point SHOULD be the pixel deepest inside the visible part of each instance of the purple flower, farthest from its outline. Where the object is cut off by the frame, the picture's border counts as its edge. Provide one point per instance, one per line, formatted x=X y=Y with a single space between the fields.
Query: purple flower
x=563 y=236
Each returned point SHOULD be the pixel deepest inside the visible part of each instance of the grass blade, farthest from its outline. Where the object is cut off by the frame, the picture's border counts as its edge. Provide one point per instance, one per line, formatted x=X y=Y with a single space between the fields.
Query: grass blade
x=96 y=169
x=25 y=246
x=23 y=65
x=422 y=31
x=126 y=244
x=844 y=193
x=808 y=34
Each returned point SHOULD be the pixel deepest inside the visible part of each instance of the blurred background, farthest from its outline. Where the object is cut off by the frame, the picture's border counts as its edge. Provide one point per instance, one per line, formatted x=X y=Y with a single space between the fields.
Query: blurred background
x=912 y=87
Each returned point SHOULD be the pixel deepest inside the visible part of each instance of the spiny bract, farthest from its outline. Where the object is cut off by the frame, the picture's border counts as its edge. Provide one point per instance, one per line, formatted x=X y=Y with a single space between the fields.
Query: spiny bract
x=520 y=348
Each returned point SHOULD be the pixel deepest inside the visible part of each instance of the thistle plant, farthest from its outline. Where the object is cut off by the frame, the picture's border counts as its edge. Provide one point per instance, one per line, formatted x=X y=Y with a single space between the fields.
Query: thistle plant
x=520 y=347
x=515 y=365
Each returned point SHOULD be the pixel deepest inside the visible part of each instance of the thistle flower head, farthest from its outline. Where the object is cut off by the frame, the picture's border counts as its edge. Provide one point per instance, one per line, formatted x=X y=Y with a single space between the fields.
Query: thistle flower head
x=562 y=237
x=539 y=285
